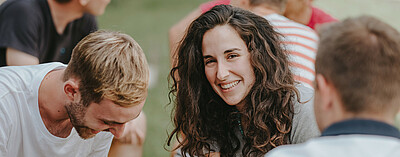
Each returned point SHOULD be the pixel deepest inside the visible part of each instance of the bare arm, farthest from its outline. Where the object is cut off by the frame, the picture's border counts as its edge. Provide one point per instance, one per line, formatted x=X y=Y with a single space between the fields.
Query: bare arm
x=177 y=32
x=130 y=144
x=16 y=57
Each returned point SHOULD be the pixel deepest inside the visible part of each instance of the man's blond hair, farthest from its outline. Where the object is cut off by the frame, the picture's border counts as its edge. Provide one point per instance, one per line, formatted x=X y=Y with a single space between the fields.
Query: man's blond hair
x=109 y=65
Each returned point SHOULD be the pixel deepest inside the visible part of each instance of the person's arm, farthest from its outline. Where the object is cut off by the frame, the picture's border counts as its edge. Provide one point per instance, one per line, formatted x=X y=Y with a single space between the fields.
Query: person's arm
x=19 y=33
x=16 y=57
x=130 y=144
x=177 y=32
x=101 y=144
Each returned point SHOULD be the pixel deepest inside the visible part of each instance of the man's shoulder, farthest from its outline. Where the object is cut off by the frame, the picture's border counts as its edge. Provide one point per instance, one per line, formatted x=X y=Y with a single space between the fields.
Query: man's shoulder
x=343 y=145
x=20 y=78
x=19 y=7
x=20 y=15
x=282 y=23
x=310 y=148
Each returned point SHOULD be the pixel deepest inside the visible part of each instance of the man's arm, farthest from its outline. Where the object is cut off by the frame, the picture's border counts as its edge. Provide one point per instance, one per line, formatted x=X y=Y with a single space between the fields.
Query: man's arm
x=19 y=27
x=177 y=32
x=16 y=57
x=130 y=144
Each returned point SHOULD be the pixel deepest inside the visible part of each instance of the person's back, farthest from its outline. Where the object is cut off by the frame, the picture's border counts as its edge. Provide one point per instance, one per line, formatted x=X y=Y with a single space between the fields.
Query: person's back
x=357 y=92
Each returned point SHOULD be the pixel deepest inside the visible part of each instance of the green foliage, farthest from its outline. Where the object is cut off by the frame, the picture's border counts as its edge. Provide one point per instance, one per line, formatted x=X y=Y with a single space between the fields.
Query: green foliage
x=148 y=22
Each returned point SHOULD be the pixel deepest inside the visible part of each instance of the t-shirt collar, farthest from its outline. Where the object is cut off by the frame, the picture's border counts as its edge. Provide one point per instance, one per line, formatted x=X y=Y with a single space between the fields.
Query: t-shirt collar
x=361 y=126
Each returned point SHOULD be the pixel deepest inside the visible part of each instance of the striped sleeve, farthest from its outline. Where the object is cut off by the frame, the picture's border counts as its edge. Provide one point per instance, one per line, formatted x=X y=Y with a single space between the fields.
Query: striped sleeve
x=301 y=42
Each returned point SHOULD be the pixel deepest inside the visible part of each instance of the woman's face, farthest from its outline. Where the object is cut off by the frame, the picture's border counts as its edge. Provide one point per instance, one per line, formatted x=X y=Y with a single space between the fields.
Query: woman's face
x=227 y=64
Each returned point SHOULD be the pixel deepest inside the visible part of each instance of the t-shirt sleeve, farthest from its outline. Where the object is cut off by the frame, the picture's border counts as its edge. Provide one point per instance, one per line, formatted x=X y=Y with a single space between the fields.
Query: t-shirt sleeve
x=304 y=124
x=101 y=145
x=319 y=17
x=208 y=5
x=18 y=27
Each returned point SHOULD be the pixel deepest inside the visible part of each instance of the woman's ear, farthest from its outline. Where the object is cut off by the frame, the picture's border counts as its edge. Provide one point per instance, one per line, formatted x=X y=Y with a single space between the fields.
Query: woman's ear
x=71 y=90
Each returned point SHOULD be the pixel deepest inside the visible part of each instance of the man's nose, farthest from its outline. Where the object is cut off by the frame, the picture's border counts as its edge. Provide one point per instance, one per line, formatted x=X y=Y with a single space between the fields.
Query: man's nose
x=117 y=130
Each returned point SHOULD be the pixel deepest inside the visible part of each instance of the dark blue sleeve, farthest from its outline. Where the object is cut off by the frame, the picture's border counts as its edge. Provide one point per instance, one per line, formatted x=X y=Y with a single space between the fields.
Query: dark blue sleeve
x=19 y=22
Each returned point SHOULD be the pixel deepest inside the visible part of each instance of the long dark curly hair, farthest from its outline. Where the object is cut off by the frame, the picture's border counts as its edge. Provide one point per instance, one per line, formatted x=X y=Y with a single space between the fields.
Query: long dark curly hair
x=200 y=115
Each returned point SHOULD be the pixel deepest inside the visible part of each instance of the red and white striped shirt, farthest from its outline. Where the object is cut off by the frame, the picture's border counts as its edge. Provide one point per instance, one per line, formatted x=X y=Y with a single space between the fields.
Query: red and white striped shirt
x=301 y=42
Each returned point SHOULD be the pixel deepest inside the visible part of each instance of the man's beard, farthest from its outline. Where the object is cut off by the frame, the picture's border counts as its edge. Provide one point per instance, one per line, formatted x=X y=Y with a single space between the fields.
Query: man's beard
x=76 y=112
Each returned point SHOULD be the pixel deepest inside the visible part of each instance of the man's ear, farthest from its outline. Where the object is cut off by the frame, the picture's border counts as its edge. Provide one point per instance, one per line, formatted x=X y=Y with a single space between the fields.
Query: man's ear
x=83 y=2
x=325 y=90
x=71 y=90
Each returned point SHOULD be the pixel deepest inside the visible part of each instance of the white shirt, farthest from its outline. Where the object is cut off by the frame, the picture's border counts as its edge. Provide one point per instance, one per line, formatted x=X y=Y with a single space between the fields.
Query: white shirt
x=22 y=131
x=353 y=138
x=342 y=146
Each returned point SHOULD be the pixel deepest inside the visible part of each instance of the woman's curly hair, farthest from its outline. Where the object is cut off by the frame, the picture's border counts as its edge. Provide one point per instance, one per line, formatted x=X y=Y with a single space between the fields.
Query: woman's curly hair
x=204 y=119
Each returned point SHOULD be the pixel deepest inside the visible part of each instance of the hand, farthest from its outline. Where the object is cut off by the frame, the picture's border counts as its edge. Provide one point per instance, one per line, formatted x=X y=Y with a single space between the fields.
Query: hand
x=135 y=131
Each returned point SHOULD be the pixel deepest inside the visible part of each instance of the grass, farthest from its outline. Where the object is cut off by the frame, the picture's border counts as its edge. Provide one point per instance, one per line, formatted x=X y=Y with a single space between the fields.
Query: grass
x=148 y=21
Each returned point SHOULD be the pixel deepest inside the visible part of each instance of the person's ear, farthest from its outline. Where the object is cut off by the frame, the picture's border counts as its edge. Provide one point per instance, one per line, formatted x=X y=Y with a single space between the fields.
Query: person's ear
x=71 y=90
x=325 y=91
x=83 y=2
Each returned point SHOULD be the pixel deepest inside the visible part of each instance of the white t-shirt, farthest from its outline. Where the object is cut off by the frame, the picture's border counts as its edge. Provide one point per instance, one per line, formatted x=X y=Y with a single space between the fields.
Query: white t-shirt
x=22 y=131
x=342 y=146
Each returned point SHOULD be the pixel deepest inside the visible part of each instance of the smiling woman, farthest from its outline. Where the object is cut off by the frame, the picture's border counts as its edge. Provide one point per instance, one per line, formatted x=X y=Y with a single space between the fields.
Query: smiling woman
x=237 y=95
x=227 y=64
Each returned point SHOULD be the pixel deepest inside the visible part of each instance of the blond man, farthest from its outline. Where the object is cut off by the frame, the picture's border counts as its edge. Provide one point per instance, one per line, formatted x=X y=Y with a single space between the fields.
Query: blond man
x=57 y=110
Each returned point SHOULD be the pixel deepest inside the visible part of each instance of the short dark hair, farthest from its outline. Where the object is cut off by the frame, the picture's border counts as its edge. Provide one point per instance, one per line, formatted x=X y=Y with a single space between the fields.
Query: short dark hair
x=361 y=57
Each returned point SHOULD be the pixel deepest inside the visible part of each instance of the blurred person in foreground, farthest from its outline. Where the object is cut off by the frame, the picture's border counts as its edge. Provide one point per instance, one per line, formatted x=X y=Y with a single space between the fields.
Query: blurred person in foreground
x=42 y=31
x=54 y=109
x=357 y=92
x=235 y=93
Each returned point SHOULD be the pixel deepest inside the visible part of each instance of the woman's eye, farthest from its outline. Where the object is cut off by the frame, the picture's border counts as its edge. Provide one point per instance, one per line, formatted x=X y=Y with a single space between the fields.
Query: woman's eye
x=209 y=61
x=232 y=56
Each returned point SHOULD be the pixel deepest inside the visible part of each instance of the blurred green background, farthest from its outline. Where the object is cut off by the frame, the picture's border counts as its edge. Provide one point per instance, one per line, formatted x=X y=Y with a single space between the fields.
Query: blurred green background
x=148 y=22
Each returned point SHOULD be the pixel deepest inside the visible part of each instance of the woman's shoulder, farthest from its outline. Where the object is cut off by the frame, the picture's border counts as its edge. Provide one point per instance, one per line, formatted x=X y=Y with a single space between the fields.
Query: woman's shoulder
x=304 y=125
